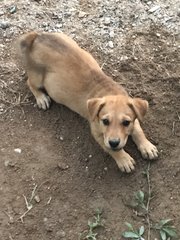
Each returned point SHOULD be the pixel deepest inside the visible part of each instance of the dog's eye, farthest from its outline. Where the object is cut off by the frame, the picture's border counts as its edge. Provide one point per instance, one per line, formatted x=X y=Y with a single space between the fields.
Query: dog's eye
x=105 y=121
x=126 y=123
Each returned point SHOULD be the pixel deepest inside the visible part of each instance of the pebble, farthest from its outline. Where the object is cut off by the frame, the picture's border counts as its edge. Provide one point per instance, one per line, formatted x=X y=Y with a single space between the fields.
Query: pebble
x=111 y=34
x=81 y=14
x=60 y=234
x=17 y=150
x=59 y=25
x=37 y=198
x=107 y=20
x=111 y=44
x=158 y=34
x=1 y=13
x=4 y=24
x=9 y=163
x=12 y=9
x=154 y=9
x=63 y=166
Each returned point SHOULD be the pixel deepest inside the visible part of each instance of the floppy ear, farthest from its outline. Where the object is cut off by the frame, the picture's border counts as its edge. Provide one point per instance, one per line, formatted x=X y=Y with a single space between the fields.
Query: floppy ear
x=94 y=106
x=140 y=107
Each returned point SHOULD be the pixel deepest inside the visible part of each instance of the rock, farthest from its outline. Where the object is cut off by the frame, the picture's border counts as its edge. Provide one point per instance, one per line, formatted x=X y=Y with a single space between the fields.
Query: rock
x=110 y=44
x=59 y=25
x=4 y=24
x=1 y=13
x=154 y=9
x=17 y=150
x=8 y=163
x=37 y=198
x=12 y=9
x=81 y=14
x=107 y=20
x=63 y=166
x=60 y=234
x=111 y=34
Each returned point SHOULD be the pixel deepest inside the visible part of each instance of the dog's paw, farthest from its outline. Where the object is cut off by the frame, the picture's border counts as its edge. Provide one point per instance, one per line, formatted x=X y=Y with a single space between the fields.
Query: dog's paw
x=43 y=101
x=148 y=150
x=126 y=163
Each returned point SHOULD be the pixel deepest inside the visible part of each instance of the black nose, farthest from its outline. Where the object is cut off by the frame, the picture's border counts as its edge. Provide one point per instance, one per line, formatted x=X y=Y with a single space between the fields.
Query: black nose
x=114 y=143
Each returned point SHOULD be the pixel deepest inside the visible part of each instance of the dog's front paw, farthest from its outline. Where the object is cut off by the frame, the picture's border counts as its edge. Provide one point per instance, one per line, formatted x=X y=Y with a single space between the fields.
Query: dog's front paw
x=148 y=150
x=126 y=163
x=43 y=101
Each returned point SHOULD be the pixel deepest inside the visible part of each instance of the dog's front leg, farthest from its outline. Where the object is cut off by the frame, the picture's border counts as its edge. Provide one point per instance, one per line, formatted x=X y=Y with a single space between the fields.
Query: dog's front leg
x=147 y=149
x=124 y=161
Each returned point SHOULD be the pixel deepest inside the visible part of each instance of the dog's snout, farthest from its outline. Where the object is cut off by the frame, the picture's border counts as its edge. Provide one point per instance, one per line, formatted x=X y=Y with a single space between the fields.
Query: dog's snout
x=114 y=143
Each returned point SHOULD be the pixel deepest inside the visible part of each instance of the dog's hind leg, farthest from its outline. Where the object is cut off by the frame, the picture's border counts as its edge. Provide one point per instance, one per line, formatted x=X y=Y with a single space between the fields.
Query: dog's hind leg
x=35 y=83
x=147 y=149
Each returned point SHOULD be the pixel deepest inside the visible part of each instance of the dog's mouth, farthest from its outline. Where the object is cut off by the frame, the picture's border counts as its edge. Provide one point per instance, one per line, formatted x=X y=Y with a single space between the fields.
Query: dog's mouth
x=116 y=149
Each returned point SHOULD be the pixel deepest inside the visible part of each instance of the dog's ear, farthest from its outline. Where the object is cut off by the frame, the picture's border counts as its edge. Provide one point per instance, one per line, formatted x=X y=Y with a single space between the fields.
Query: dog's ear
x=140 y=107
x=94 y=106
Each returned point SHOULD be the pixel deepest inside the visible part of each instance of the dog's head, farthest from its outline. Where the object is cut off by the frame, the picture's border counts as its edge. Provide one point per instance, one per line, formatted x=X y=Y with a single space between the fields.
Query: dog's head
x=113 y=117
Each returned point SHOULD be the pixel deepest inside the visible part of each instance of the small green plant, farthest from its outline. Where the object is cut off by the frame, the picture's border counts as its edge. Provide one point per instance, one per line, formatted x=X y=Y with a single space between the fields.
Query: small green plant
x=133 y=234
x=97 y=222
x=139 y=200
x=166 y=229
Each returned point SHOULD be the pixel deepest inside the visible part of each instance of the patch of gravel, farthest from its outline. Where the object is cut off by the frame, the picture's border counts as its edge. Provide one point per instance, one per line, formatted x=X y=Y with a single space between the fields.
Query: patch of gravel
x=103 y=22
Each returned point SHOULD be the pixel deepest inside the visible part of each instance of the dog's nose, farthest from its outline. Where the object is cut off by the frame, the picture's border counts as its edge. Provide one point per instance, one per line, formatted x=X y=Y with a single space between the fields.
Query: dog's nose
x=114 y=143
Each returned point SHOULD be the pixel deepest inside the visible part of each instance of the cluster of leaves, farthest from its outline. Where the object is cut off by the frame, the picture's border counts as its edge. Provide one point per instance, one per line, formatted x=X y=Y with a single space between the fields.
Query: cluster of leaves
x=134 y=234
x=166 y=229
x=139 y=200
x=92 y=225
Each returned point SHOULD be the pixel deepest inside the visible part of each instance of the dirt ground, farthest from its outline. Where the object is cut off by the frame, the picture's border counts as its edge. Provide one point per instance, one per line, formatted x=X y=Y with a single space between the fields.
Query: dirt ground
x=51 y=156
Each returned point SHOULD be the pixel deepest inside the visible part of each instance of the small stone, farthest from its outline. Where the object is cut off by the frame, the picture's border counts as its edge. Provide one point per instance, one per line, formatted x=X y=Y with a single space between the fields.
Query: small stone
x=12 y=9
x=59 y=25
x=60 y=234
x=149 y=2
x=111 y=34
x=37 y=198
x=124 y=58
x=1 y=13
x=63 y=166
x=6 y=163
x=4 y=24
x=61 y=138
x=81 y=14
x=49 y=228
x=105 y=169
x=107 y=20
x=154 y=9
x=110 y=43
x=17 y=150
x=158 y=34
x=90 y=156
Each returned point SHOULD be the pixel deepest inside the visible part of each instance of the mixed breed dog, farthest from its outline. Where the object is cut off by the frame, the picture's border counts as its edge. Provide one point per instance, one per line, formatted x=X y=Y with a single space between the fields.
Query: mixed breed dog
x=59 y=69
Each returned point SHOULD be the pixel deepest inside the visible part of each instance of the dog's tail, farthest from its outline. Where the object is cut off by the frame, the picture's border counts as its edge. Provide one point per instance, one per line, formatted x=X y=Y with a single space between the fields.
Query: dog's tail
x=23 y=48
x=26 y=42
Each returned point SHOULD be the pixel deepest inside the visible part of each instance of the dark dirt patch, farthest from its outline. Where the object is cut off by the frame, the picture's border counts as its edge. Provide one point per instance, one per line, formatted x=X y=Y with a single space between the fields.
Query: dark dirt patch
x=73 y=175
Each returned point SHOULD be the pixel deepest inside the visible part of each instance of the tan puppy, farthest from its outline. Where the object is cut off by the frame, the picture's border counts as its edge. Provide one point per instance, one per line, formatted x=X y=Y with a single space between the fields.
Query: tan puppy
x=72 y=77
